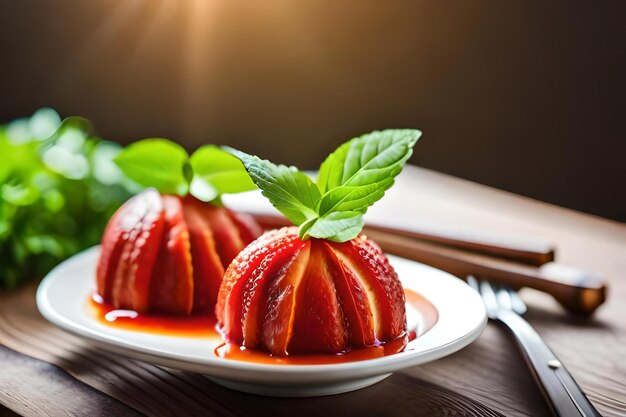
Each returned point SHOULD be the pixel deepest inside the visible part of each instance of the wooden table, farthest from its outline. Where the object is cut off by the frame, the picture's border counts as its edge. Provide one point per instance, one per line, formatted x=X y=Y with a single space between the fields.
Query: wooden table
x=486 y=378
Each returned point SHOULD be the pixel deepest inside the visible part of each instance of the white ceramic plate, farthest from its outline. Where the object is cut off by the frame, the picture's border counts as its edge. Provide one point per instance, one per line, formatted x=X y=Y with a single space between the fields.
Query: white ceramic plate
x=62 y=295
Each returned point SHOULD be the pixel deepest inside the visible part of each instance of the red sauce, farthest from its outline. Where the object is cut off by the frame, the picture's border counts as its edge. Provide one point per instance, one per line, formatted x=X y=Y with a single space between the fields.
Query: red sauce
x=421 y=314
x=234 y=352
x=421 y=317
x=195 y=325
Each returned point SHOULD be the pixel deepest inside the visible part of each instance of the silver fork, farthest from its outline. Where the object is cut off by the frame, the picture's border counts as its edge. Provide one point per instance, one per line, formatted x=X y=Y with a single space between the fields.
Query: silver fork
x=561 y=392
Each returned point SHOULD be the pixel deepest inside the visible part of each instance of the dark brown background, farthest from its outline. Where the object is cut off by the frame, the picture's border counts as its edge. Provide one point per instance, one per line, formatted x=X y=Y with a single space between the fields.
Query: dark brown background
x=525 y=96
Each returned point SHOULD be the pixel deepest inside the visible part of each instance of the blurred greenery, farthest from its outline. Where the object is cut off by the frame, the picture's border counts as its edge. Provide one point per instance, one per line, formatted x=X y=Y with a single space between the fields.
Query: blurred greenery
x=58 y=188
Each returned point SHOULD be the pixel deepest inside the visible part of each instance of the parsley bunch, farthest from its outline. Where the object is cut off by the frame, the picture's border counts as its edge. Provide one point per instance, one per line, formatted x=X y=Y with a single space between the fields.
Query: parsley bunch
x=58 y=188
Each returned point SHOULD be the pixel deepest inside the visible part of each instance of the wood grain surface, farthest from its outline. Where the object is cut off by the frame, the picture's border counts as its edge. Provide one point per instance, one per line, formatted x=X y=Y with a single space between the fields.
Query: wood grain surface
x=486 y=378
x=29 y=385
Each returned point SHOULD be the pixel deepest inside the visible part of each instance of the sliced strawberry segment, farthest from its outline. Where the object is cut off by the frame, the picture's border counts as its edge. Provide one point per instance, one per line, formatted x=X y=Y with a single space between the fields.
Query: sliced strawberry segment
x=249 y=262
x=225 y=232
x=285 y=267
x=207 y=266
x=318 y=325
x=384 y=289
x=248 y=228
x=354 y=301
x=111 y=249
x=143 y=227
x=172 y=284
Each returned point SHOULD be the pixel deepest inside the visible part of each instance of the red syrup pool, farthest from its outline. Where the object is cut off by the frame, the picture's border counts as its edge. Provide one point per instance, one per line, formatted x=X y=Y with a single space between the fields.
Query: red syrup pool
x=194 y=325
x=421 y=317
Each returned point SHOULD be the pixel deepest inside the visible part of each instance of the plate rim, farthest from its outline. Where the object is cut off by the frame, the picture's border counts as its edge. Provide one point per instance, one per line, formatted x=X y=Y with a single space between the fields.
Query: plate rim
x=224 y=368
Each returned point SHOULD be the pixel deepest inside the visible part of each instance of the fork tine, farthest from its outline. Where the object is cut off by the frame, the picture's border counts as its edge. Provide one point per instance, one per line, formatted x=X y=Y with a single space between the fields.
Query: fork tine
x=496 y=297
x=472 y=282
x=489 y=298
x=517 y=304
x=504 y=298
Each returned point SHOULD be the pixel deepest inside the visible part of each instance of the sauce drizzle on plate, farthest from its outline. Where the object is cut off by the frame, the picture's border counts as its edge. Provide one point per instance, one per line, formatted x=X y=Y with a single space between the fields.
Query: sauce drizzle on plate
x=421 y=317
x=195 y=325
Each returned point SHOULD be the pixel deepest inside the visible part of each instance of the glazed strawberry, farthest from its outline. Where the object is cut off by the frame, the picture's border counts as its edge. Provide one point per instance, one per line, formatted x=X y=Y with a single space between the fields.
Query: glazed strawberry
x=160 y=253
x=322 y=287
x=167 y=253
x=288 y=296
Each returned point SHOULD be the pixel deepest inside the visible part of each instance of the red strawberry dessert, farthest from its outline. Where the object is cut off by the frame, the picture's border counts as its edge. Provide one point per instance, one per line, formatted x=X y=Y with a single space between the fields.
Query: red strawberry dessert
x=165 y=250
x=167 y=254
x=321 y=287
x=285 y=295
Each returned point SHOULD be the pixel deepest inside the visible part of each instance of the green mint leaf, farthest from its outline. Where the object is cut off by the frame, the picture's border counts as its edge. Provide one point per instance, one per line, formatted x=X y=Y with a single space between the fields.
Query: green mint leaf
x=350 y=180
x=336 y=226
x=157 y=163
x=289 y=190
x=217 y=172
x=359 y=172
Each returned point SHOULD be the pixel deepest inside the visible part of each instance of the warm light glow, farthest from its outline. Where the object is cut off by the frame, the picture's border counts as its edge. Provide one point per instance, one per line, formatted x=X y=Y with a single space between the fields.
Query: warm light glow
x=197 y=63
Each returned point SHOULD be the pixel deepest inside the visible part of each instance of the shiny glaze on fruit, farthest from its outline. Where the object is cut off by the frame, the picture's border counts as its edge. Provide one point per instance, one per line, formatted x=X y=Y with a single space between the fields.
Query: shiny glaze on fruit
x=289 y=296
x=167 y=254
x=421 y=317
x=237 y=353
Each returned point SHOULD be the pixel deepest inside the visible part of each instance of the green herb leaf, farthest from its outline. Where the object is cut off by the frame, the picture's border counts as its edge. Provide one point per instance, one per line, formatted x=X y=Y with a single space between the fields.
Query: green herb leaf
x=289 y=190
x=350 y=180
x=217 y=172
x=336 y=226
x=359 y=172
x=157 y=163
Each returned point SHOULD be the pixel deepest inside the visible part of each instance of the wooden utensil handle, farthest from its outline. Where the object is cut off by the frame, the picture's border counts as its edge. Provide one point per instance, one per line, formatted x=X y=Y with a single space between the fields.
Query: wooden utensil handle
x=528 y=250
x=562 y=393
x=577 y=290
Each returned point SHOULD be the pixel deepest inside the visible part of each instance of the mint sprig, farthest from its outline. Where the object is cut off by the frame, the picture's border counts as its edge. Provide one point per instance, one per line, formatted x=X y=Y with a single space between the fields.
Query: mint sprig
x=207 y=174
x=289 y=190
x=350 y=180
